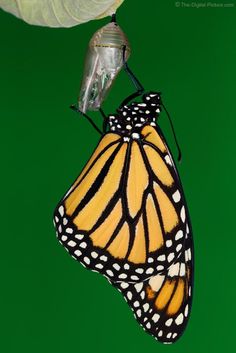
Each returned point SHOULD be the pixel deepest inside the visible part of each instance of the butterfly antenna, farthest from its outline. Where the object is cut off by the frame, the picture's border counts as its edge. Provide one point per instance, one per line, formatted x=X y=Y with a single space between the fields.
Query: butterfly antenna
x=174 y=134
x=75 y=109
x=105 y=120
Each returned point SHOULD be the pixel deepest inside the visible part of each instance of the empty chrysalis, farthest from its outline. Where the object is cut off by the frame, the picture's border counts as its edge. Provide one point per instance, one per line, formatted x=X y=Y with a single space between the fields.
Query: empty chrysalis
x=103 y=62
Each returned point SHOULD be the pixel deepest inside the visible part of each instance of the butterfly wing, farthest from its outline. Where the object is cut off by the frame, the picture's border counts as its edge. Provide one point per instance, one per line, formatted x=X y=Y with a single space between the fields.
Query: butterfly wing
x=162 y=303
x=125 y=215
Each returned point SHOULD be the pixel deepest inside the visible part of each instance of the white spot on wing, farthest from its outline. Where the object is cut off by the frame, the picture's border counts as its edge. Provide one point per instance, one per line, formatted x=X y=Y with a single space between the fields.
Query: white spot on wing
x=161 y=258
x=139 y=270
x=190 y=291
x=134 y=278
x=110 y=273
x=174 y=270
x=168 y=160
x=83 y=245
x=122 y=276
x=116 y=267
x=126 y=139
x=138 y=286
x=186 y=311
x=149 y=270
x=156 y=317
x=169 y=322
x=176 y=196
x=94 y=254
x=182 y=270
x=103 y=258
x=124 y=285
x=79 y=236
x=78 y=252
x=155 y=282
x=135 y=136
x=160 y=268
x=71 y=243
x=170 y=257
x=189 y=254
x=178 y=247
x=183 y=214
x=146 y=307
x=87 y=260
x=100 y=266
x=65 y=221
x=61 y=210
x=179 y=235
x=187 y=229
x=179 y=319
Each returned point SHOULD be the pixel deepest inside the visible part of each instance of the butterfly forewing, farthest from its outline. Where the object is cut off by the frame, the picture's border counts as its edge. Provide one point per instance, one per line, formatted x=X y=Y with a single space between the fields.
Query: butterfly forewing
x=125 y=214
x=126 y=217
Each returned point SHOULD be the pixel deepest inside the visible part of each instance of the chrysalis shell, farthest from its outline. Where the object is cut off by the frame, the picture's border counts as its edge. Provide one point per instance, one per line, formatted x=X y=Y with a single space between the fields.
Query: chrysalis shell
x=103 y=62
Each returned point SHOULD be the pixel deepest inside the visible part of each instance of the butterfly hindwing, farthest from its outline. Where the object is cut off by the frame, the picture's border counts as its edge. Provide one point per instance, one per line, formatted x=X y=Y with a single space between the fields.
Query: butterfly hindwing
x=162 y=303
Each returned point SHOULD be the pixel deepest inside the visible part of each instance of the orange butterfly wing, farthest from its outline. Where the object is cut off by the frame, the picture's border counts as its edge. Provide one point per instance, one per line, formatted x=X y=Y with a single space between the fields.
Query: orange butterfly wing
x=125 y=215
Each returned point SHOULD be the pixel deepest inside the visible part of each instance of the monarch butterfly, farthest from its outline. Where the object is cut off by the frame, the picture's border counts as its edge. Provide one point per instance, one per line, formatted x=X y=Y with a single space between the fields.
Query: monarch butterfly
x=126 y=217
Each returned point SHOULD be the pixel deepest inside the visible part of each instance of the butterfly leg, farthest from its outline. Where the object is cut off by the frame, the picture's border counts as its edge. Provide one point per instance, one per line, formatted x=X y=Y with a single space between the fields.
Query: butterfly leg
x=105 y=120
x=75 y=108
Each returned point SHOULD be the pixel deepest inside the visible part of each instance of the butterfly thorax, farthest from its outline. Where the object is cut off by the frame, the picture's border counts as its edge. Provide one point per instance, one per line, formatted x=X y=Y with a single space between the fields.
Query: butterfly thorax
x=131 y=118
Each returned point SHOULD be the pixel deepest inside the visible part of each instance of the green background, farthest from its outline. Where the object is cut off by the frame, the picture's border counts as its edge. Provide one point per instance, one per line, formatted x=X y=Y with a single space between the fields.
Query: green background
x=50 y=303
